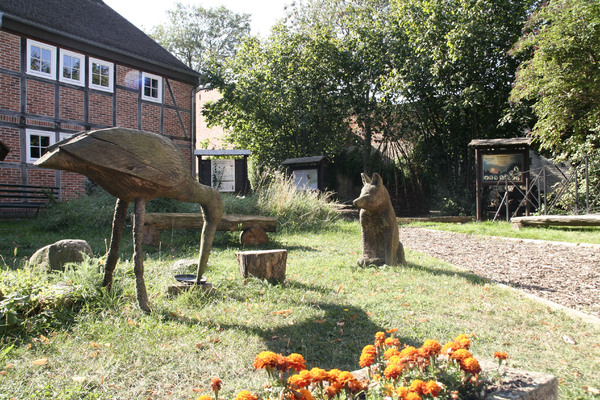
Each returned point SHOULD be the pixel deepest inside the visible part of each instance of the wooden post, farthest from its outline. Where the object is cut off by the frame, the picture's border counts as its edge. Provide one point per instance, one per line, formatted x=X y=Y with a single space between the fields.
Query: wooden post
x=138 y=254
x=112 y=258
x=266 y=264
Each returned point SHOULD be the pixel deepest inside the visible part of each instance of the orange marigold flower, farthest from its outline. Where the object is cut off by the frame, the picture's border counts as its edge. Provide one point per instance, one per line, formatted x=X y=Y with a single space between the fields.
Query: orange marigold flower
x=500 y=355
x=389 y=353
x=333 y=375
x=430 y=348
x=409 y=352
x=366 y=360
x=204 y=397
x=344 y=377
x=447 y=349
x=461 y=354
x=282 y=364
x=394 y=370
x=304 y=395
x=418 y=386
x=379 y=339
x=245 y=395
x=368 y=355
x=356 y=386
x=215 y=384
x=470 y=365
x=462 y=341
x=396 y=359
x=265 y=359
x=300 y=380
x=433 y=388
x=332 y=390
x=369 y=349
x=412 y=396
x=296 y=362
x=393 y=330
x=319 y=375
x=402 y=392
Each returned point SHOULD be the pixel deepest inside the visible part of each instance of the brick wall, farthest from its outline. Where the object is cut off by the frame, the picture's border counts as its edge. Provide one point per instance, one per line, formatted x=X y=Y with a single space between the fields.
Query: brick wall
x=10 y=175
x=42 y=177
x=101 y=108
x=127 y=109
x=72 y=185
x=10 y=92
x=151 y=118
x=172 y=124
x=40 y=98
x=182 y=94
x=128 y=77
x=11 y=138
x=10 y=48
x=71 y=104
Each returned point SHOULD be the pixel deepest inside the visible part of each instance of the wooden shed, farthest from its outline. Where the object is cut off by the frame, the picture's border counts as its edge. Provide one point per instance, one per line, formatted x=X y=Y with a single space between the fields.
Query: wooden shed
x=308 y=172
x=226 y=170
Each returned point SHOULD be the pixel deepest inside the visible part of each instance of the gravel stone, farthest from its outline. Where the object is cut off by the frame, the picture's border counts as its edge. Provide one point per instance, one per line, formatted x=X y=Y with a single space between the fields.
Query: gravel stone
x=564 y=273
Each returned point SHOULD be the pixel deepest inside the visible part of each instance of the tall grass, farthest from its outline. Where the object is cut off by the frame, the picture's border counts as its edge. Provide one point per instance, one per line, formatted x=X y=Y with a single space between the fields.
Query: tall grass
x=295 y=209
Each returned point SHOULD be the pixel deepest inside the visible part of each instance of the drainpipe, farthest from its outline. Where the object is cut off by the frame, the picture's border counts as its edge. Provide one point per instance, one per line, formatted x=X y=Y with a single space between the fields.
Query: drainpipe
x=193 y=133
x=1 y=15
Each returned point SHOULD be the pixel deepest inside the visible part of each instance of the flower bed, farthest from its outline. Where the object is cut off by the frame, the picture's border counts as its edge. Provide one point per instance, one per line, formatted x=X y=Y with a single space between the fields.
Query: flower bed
x=391 y=371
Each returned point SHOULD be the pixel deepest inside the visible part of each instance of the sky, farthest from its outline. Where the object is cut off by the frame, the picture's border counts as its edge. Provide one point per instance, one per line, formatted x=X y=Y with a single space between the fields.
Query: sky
x=146 y=14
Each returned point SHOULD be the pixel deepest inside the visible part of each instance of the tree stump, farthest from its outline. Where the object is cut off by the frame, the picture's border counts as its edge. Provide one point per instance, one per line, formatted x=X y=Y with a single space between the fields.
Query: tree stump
x=253 y=236
x=266 y=264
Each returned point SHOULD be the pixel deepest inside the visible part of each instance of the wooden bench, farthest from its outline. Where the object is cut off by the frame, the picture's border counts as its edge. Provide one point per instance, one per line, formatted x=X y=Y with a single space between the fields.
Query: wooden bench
x=155 y=222
x=14 y=196
x=557 y=220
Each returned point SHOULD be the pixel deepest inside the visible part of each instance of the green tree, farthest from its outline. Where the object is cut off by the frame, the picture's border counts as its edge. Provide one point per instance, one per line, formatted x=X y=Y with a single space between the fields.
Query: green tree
x=199 y=36
x=450 y=77
x=362 y=42
x=279 y=96
x=560 y=77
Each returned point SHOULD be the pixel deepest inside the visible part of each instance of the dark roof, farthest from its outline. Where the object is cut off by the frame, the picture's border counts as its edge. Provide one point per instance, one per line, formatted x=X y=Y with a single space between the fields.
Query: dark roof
x=204 y=152
x=304 y=160
x=501 y=143
x=93 y=27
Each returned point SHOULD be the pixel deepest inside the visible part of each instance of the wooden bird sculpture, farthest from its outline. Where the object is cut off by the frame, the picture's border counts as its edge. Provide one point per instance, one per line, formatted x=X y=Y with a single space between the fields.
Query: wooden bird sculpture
x=136 y=166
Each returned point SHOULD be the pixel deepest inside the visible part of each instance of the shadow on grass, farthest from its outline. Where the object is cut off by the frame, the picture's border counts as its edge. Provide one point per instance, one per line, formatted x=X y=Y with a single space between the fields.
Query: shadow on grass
x=444 y=271
x=334 y=338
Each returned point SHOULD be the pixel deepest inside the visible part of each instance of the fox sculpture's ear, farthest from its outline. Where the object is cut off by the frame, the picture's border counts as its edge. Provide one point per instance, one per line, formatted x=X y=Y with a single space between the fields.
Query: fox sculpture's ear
x=365 y=179
x=376 y=179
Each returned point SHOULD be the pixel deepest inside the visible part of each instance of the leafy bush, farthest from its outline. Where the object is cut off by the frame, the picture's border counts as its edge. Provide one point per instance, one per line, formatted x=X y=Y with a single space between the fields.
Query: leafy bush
x=34 y=301
x=95 y=209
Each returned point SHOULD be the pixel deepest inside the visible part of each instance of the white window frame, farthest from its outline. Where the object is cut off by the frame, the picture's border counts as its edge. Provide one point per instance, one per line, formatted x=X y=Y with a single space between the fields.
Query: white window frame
x=33 y=132
x=111 y=69
x=159 y=79
x=81 y=57
x=42 y=46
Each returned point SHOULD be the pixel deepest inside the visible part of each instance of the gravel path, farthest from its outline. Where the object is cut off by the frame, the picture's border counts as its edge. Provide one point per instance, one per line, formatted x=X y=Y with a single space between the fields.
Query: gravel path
x=564 y=273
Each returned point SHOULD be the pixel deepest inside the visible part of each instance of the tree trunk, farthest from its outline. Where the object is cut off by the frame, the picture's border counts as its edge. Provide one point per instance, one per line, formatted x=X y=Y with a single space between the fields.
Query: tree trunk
x=267 y=264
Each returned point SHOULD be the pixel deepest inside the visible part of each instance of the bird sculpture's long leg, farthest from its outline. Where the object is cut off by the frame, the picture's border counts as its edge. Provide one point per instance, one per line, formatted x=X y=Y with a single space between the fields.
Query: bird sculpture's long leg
x=212 y=211
x=138 y=254
x=115 y=238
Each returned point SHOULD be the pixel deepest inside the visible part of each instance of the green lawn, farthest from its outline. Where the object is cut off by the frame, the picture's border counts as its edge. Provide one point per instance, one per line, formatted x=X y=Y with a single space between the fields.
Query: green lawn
x=504 y=229
x=328 y=309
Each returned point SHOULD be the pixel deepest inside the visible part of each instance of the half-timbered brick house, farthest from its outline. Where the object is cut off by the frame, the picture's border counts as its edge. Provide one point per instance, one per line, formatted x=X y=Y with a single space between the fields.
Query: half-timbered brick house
x=73 y=65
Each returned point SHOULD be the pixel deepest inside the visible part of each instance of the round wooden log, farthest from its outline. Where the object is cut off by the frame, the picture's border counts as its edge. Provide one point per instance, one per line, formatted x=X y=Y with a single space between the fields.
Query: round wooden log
x=253 y=236
x=558 y=220
x=265 y=264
